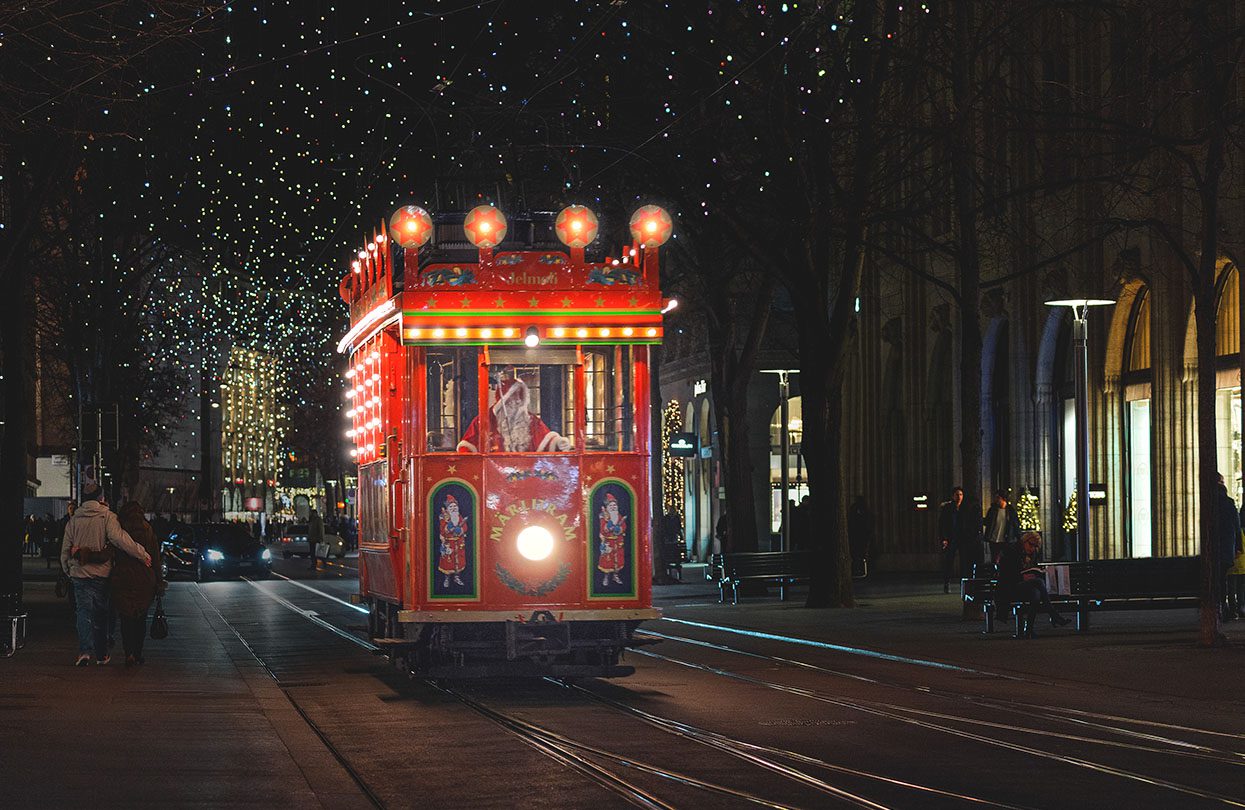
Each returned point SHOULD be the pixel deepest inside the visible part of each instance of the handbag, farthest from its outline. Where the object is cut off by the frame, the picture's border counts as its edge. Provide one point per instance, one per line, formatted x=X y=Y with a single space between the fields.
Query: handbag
x=159 y=624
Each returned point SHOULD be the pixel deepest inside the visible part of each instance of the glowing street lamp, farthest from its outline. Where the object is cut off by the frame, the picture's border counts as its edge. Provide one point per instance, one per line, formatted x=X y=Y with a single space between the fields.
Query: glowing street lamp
x=1080 y=347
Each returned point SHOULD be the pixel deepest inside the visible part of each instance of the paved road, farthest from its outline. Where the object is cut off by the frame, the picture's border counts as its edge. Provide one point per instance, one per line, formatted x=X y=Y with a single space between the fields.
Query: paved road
x=716 y=716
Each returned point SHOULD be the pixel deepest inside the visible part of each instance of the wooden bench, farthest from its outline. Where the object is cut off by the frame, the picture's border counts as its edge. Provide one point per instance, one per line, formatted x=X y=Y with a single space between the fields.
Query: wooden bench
x=783 y=567
x=1157 y=583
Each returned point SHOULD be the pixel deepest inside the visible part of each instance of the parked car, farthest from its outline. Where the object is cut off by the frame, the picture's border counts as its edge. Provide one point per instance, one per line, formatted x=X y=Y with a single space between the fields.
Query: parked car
x=293 y=542
x=205 y=550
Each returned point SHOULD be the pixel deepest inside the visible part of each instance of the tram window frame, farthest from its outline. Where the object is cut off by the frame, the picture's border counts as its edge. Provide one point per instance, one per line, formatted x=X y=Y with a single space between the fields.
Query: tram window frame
x=446 y=421
x=373 y=489
x=540 y=370
x=609 y=378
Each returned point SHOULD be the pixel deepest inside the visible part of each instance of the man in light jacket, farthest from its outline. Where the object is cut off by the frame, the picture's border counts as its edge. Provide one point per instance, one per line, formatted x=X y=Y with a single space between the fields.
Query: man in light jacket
x=91 y=536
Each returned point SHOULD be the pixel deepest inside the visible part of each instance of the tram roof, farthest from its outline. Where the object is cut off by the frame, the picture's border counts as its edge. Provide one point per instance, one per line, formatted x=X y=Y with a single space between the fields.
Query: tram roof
x=451 y=293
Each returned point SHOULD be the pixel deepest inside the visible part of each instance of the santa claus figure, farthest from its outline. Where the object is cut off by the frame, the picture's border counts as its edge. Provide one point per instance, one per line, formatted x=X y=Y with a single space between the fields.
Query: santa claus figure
x=512 y=427
x=612 y=529
x=452 y=531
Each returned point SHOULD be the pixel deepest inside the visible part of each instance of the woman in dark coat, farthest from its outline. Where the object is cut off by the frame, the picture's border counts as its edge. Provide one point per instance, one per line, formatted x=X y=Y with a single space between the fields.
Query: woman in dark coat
x=135 y=585
x=1023 y=581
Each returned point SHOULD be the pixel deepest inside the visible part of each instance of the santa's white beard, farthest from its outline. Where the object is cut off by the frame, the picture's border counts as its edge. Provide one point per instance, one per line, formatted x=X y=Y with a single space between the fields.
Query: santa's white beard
x=514 y=424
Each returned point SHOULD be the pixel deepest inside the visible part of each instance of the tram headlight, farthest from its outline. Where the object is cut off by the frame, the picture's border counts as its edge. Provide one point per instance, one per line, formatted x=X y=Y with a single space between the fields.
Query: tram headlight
x=214 y=556
x=535 y=543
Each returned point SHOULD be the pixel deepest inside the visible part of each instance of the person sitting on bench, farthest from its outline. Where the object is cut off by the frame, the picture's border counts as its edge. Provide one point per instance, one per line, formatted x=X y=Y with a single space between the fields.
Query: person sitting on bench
x=1021 y=580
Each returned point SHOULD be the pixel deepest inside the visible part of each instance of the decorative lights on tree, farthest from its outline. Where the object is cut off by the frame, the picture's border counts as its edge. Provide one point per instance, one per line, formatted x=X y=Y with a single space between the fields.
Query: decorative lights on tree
x=671 y=467
x=1027 y=513
x=1069 y=514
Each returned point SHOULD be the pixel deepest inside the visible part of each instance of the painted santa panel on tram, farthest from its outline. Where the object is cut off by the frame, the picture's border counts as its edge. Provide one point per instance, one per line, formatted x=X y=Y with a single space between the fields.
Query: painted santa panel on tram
x=453 y=531
x=612 y=573
x=530 y=410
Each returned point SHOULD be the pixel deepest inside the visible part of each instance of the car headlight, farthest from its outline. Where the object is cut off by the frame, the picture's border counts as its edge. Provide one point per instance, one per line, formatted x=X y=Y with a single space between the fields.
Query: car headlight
x=266 y=555
x=535 y=543
x=214 y=556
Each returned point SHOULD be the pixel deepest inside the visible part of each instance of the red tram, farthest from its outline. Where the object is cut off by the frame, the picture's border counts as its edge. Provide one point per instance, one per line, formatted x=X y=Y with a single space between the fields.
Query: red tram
x=498 y=392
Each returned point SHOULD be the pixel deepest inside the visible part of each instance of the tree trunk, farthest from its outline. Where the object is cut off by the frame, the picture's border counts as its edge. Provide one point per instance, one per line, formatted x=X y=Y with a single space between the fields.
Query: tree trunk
x=968 y=267
x=1206 y=34
x=14 y=323
x=1204 y=315
x=741 y=506
x=821 y=400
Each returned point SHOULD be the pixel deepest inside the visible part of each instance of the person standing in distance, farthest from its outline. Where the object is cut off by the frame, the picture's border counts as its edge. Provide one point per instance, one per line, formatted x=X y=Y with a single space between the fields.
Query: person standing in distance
x=950 y=520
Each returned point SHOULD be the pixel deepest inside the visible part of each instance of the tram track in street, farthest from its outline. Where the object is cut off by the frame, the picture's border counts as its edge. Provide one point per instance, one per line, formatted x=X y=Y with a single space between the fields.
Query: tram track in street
x=922 y=719
x=750 y=752
x=1052 y=712
x=337 y=754
x=605 y=767
x=580 y=756
x=575 y=754
x=586 y=758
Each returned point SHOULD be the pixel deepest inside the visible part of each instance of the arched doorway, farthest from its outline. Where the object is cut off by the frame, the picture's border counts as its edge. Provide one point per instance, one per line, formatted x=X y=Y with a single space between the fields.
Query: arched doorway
x=691 y=488
x=797 y=477
x=1228 y=381
x=1137 y=379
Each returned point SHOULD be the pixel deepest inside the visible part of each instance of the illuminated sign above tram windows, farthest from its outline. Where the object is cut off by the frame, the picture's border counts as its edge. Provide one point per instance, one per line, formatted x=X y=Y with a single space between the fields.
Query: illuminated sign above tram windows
x=683 y=445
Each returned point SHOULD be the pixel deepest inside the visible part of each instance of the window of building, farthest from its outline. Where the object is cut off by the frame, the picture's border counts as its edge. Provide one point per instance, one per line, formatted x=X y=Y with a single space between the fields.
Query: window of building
x=1137 y=426
x=797 y=478
x=1228 y=393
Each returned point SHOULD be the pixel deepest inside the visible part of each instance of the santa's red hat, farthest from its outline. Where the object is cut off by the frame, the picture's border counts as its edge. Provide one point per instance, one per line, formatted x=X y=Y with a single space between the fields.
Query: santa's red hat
x=609 y=498
x=450 y=499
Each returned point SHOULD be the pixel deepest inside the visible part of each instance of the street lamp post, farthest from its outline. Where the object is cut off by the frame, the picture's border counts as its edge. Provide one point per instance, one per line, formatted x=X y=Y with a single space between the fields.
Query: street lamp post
x=784 y=433
x=1080 y=357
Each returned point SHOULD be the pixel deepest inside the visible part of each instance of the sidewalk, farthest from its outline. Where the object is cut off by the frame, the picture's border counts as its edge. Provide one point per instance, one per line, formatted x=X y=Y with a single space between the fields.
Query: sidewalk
x=1152 y=651
x=200 y=724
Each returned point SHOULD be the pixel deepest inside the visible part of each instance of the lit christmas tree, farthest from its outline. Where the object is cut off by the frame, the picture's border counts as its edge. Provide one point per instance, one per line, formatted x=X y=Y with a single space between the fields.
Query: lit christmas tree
x=671 y=467
x=1069 y=514
x=1027 y=513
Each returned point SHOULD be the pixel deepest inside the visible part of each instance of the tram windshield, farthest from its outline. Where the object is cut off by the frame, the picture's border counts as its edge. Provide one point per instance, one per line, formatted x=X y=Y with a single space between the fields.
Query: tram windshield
x=531 y=401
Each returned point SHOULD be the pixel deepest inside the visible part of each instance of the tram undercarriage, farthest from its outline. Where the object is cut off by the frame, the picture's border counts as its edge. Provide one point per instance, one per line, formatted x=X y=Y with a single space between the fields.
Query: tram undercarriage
x=538 y=645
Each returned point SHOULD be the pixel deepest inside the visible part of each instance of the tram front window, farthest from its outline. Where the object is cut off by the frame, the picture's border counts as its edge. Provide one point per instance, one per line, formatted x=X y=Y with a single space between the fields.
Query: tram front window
x=531 y=404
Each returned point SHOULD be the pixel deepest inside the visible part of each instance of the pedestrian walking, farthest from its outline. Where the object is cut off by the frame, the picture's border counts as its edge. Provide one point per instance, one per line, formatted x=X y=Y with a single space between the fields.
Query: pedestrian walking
x=1001 y=525
x=315 y=534
x=135 y=585
x=92 y=536
x=951 y=520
